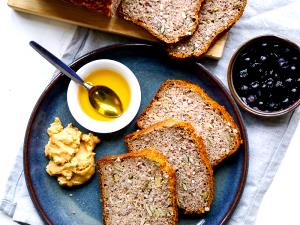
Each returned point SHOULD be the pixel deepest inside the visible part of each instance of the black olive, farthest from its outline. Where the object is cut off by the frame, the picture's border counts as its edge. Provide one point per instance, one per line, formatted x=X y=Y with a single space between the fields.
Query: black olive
x=258 y=93
x=255 y=84
x=270 y=83
x=288 y=80
x=275 y=107
x=263 y=58
x=271 y=72
x=279 y=84
x=244 y=88
x=244 y=99
x=260 y=103
x=283 y=63
x=274 y=55
x=286 y=100
x=251 y=98
x=271 y=105
x=294 y=90
x=293 y=67
x=244 y=73
x=255 y=65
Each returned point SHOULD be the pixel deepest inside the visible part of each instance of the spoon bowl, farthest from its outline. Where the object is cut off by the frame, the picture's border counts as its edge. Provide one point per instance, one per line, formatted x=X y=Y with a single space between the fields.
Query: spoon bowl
x=103 y=99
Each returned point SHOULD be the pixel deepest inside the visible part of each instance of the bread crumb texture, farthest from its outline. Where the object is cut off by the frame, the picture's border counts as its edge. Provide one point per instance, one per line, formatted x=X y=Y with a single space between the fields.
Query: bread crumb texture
x=185 y=101
x=138 y=188
x=215 y=17
x=185 y=151
x=168 y=20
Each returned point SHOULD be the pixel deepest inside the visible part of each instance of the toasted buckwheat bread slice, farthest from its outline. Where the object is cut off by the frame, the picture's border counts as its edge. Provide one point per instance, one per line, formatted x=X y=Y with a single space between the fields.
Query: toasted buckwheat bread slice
x=216 y=16
x=138 y=188
x=106 y=7
x=168 y=20
x=186 y=101
x=178 y=141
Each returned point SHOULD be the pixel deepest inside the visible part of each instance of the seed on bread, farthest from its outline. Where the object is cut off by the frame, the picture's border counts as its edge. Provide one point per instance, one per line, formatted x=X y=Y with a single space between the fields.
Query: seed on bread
x=149 y=197
x=168 y=20
x=178 y=141
x=215 y=17
x=185 y=101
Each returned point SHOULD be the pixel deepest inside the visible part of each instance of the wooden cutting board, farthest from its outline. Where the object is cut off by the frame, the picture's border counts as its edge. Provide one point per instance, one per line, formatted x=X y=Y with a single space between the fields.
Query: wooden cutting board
x=67 y=12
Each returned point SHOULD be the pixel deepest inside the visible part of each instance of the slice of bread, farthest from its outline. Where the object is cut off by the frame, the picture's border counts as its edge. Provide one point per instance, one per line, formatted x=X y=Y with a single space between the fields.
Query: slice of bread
x=106 y=7
x=216 y=16
x=178 y=141
x=138 y=188
x=168 y=20
x=186 y=101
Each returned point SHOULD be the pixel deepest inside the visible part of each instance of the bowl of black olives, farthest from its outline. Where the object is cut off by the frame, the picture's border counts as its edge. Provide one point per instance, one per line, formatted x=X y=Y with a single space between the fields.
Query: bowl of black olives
x=264 y=76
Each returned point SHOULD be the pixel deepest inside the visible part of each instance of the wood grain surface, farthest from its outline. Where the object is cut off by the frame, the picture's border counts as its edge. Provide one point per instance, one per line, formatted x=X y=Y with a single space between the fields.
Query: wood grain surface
x=69 y=13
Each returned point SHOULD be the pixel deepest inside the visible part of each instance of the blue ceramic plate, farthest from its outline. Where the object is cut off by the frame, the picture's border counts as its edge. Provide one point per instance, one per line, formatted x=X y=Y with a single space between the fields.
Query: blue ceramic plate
x=81 y=205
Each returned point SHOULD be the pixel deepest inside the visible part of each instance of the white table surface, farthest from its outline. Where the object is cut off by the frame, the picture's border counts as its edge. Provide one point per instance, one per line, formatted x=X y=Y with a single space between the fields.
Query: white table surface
x=24 y=75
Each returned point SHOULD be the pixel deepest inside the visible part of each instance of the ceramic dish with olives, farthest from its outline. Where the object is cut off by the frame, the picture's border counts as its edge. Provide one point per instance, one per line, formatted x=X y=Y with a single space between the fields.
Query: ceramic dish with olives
x=264 y=76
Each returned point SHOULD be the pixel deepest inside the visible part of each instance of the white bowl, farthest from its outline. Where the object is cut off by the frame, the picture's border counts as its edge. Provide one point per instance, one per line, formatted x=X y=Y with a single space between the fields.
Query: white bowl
x=105 y=126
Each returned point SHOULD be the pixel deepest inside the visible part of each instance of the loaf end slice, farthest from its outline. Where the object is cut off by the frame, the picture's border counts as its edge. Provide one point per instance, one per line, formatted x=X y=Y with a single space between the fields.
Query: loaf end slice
x=106 y=7
x=186 y=101
x=178 y=141
x=169 y=21
x=216 y=16
x=138 y=188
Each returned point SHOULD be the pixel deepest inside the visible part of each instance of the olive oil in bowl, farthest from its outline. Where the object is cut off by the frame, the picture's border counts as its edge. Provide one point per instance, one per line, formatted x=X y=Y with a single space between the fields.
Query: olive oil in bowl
x=108 y=78
x=119 y=79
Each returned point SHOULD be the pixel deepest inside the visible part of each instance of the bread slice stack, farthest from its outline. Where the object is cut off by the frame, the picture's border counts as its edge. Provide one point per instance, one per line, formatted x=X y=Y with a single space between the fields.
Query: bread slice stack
x=216 y=16
x=183 y=100
x=178 y=141
x=188 y=27
x=138 y=188
x=184 y=133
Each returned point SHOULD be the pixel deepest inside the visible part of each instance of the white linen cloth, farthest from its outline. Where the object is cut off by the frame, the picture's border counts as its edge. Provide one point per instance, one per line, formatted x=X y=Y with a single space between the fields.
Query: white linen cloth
x=268 y=138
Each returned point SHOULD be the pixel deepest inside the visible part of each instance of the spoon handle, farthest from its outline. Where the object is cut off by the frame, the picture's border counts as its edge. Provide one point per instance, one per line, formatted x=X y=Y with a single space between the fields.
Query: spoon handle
x=61 y=66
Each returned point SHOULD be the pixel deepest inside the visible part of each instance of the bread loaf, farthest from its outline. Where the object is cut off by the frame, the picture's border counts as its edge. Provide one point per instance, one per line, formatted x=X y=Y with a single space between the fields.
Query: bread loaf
x=138 y=188
x=185 y=151
x=186 y=101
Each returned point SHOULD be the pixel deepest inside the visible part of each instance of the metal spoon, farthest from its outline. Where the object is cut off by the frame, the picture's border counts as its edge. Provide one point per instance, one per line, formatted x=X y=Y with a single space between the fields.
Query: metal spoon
x=102 y=98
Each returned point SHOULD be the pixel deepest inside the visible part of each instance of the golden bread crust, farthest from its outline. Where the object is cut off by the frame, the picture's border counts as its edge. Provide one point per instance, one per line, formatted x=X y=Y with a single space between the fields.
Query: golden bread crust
x=198 y=140
x=103 y=6
x=195 y=88
x=147 y=28
x=227 y=26
x=153 y=155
